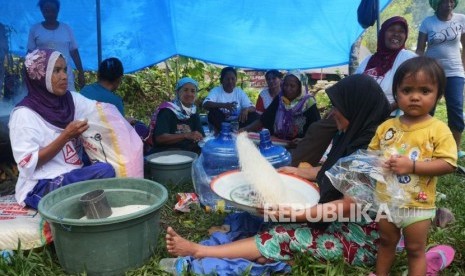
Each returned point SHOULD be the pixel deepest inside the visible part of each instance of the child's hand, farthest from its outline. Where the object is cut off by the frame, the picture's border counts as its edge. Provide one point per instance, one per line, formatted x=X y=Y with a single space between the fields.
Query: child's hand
x=400 y=164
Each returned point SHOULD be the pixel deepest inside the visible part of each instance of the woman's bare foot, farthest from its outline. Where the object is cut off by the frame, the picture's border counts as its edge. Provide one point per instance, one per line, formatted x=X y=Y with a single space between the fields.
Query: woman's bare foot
x=179 y=246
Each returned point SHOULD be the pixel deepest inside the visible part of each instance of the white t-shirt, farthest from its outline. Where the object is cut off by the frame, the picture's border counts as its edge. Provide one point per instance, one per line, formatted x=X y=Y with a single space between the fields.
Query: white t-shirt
x=29 y=133
x=61 y=39
x=444 y=42
x=218 y=95
x=386 y=81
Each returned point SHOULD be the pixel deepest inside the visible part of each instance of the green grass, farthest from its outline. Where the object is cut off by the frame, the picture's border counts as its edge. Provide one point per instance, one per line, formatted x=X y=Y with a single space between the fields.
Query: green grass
x=194 y=226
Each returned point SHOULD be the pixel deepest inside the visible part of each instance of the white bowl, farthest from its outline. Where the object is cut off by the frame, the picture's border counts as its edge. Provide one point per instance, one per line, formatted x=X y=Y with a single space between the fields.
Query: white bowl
x=234 y=188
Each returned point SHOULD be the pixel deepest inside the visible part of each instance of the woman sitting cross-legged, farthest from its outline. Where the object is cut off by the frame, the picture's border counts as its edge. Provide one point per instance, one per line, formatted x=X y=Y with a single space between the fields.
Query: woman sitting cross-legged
x=176 y=124
x=290 y=113
x=357 y=112
x=228 y=103
x=45 y=128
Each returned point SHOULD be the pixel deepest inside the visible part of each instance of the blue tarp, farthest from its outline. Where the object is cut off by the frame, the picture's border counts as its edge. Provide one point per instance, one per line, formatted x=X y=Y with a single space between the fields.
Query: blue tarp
x=257 y=34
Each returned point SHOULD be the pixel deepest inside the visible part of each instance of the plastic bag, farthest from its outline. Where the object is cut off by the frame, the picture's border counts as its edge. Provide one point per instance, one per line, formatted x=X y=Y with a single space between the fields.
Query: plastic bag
x=357 y=175
x=201 y=180
x=110 y=138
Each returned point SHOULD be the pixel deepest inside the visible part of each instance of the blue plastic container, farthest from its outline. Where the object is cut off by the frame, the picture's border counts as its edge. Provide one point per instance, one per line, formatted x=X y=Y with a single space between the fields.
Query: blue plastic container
x=218 y=155
x=278 y=156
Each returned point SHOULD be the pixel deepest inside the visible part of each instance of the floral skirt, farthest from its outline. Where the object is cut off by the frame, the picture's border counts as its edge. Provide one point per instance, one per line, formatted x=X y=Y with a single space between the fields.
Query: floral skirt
x=356 y=243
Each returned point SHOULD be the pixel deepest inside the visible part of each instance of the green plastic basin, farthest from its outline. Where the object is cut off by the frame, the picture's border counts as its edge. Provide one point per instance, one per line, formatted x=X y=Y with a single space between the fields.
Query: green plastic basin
x=108 y=246
x=170 y=173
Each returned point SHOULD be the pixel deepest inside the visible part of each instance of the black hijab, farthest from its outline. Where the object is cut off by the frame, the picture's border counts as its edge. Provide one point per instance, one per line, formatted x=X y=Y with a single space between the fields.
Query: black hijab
x=362 y=101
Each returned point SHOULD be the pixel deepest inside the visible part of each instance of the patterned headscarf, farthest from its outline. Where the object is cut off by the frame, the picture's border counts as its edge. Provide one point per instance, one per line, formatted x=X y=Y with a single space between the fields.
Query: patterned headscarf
x=57 y=110
x=381 y=62
x=285 y=125
x=182 y=112
x=435 y=3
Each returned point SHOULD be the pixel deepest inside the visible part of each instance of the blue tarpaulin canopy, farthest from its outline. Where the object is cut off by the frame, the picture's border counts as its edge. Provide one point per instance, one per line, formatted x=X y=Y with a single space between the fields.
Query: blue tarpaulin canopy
x=259 y=34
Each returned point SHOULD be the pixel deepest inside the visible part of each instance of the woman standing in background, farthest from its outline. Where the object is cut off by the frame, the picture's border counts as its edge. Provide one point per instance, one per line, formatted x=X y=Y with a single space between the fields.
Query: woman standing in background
x=390 y=54
x=52 y=34
x=441 y=35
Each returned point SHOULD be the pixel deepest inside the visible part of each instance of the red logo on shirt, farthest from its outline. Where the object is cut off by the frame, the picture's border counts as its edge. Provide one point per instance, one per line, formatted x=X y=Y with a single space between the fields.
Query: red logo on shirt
x=25 y=160
x=70 y=155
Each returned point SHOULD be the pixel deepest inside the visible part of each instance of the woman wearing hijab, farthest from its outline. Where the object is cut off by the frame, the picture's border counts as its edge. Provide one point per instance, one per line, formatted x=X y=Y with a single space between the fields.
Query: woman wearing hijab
x=291 y=112
x=390 y=53
x=44 y=131
x=381 y=66
x=176 y=124
x=442 y=33
x=359 y=106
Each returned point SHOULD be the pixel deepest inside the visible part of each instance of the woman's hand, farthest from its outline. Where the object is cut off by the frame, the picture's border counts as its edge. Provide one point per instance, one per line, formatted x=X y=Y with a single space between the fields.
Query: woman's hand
x=194 y=136
x=231 y=106
x=288 y=169
x=293 y=143
x=243 y=115
x=307 y=172
x=72 y=130
x=75 y=129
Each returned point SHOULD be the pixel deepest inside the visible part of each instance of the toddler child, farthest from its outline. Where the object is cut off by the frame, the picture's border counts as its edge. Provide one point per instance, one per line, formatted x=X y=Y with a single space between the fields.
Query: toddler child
x=418 y=148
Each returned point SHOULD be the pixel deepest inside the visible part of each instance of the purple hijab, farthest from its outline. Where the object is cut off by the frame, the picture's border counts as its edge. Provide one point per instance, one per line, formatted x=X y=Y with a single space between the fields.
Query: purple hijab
x=57 y=110
x=285 y=125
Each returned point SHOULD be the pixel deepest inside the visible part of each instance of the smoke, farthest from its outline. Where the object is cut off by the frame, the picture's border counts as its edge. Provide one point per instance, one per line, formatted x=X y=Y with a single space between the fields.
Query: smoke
x=7 y=104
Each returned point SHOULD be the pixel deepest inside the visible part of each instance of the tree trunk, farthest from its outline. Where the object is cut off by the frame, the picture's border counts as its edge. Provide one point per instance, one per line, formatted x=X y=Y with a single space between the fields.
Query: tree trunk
x=354 y=52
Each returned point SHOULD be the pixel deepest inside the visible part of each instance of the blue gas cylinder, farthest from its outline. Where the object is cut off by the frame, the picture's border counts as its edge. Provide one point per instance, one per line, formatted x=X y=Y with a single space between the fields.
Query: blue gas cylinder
x=278 y=156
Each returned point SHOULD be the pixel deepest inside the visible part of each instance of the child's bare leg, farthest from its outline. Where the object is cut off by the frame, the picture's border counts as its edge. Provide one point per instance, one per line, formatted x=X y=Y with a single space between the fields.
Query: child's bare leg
x=415 y=243
x=389 y=236
x=179 y=246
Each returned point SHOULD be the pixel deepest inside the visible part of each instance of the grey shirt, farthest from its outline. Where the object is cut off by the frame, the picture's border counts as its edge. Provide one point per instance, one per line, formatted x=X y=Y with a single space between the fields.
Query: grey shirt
x=444 y=42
